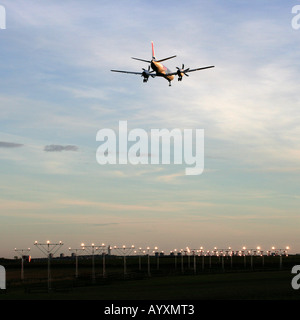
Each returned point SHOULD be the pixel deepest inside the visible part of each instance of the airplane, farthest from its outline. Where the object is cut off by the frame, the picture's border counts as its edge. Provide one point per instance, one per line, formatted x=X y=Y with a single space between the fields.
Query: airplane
x=159 y=70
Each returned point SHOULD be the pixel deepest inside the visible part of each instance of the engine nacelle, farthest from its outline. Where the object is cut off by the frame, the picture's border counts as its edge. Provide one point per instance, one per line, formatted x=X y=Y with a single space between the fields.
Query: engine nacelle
x=181 y=72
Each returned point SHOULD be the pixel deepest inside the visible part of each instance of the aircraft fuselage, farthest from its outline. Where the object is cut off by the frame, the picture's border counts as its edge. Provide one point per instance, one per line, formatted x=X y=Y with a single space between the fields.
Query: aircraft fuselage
x=161 y=70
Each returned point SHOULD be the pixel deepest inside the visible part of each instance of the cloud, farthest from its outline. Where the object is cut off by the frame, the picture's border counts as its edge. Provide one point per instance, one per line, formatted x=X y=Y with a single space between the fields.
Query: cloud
x=105 y=224
x=10 y=145
x=170 y=177
x=115 y=206
x=59 y=148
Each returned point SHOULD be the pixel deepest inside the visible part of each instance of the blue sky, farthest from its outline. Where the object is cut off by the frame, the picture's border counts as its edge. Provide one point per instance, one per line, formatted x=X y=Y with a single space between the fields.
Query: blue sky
x=56 y=88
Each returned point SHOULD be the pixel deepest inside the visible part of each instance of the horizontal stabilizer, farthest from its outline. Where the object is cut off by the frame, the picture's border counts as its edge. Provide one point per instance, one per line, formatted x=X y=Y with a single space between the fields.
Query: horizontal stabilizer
x=141 y=60
x=165 y=59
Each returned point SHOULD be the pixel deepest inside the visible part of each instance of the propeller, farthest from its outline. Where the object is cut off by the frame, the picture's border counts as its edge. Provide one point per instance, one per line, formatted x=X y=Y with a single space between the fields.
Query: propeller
x=181 y=71
x=147 y=73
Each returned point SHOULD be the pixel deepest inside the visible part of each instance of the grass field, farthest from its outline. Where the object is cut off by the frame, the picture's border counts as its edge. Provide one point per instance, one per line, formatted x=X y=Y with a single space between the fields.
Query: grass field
x=215 y=284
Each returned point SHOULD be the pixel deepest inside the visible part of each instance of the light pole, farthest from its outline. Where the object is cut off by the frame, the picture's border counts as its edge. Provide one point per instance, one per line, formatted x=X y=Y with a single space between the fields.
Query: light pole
x=157 y=257
x=280 y=252
x=124 y=251
x=188 y=251
x=244 y=254
x=102 y=250
x=251 y=252
x=194 y=261
x=222 y=252
x=139 y=252
x=202 y=254
x=149 y=273
x=149 y=252
x=49 y=249
x=195 y=253
x=231 y=254
x=175 y=256
x=76 y=259
x=259 y=251
x=162 y=253
x=21 y=253
x=181 y=253
x=216 y=253
x=209 y=254
x=91 y=250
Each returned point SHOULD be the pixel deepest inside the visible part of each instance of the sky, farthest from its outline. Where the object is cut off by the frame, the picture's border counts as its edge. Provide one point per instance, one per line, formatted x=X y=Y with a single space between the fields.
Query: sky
x=57 y=92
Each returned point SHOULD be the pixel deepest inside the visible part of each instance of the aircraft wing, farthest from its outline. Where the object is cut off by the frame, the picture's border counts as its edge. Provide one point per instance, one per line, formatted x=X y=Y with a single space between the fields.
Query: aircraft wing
x=144 y=73
x=131 y=72
x=189 y=70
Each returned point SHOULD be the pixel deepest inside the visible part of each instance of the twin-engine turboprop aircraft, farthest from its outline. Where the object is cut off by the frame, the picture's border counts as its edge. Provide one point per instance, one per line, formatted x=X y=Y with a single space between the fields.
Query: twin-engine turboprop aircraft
x=159 y=70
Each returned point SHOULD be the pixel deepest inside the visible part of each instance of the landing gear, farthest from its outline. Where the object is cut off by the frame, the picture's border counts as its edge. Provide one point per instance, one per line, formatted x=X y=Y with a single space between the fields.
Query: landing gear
x=169 y=83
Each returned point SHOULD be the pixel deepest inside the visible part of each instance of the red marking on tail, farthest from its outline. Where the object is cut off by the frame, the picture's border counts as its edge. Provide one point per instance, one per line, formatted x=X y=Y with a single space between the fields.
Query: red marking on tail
x=153 y=53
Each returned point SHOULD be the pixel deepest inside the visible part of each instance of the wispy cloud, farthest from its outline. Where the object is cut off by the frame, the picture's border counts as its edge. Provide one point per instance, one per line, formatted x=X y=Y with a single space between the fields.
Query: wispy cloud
x=105 y=224
x=59 y=148
x=170 y=178
x=4 y=144
x=117 y=206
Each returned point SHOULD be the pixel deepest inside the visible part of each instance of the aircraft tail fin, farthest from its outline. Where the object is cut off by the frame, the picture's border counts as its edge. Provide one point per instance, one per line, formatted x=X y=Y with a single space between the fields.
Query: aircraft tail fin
x=153 y=53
